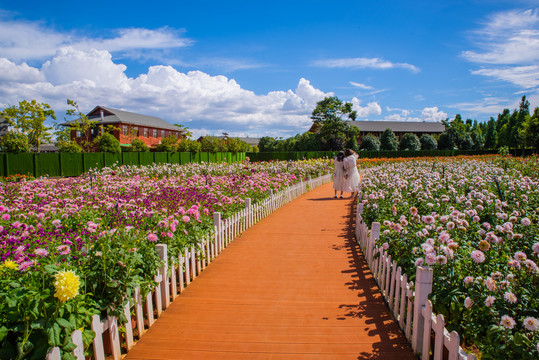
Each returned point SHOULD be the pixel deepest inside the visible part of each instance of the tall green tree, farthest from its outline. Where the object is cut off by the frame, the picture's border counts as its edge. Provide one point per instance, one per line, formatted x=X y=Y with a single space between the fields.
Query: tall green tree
x=266 y=144
x=14 y=142
x=336 y=134
x=389 y=141
x=29 y=119
x=530 y=131
x=331 y=109
x=491 y=137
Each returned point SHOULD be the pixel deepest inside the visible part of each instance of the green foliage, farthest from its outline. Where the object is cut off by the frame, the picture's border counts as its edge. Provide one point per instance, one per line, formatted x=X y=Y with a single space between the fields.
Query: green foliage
x=108 y=143
x=504 y=150
x=14 y=142
x=335 y=134
x=188 y=145
x=29 y=118
x=491 y=137
x=82 y=124
x=410 y=141
x=266 y=144
x=210 y=144
x=255 y=149
x=68 y=147
x=370 y=143
x=446 y=141
x=138 y=145
x=168 y=144
x=332 y=109
x=530 y=130
x=428 y=142
x=388 y=140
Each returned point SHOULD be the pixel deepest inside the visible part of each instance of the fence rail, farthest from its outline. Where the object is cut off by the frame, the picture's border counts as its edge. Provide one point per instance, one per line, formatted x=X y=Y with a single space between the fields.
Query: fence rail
x=174 y=277
x=408 y=301
x=64 y=164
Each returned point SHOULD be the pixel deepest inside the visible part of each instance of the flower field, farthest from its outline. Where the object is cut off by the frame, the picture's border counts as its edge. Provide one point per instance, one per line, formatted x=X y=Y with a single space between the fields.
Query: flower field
x=475 y=222
x=71 y=248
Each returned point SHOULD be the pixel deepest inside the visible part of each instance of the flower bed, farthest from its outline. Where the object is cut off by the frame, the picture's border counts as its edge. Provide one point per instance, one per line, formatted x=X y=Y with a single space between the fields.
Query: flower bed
x=72 y=248
x=475 y=222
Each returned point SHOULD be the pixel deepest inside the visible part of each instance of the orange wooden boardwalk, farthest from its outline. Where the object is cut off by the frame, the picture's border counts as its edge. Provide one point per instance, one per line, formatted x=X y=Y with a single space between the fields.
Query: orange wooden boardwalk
x=294 y=286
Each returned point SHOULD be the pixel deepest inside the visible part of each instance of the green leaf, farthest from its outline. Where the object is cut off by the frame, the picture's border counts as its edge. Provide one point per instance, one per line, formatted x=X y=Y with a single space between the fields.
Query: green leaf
x=64 y=323
x=53 y=334
x=521 y=339
x=3 y=332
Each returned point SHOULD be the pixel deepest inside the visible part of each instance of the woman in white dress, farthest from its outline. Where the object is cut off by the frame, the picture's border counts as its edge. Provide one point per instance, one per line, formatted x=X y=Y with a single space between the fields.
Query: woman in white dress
x=351 y=182
x=338 y=175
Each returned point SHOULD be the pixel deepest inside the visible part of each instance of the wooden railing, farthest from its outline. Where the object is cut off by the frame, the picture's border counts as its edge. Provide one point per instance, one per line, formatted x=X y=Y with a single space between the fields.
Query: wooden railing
x=408 y=301
x=173 y=278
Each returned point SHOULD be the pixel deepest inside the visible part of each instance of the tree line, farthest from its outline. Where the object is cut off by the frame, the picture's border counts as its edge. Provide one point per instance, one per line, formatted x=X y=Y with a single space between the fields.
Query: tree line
x=331 y=131
x=28 y=131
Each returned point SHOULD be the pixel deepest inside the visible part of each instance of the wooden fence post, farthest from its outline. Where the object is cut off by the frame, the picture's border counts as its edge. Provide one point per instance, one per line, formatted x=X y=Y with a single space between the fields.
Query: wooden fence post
x=217 y=226
x=375 y=234
x=423 y=287
x=248 y=211
x=162 y=252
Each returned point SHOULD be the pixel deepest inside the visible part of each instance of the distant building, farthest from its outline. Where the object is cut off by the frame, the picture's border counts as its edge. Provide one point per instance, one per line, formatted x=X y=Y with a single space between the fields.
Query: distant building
x=400 y=128
x=128 y=126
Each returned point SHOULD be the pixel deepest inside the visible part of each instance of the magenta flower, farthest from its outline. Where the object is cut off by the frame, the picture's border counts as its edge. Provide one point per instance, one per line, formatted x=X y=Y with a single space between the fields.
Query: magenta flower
x=152 y=237
x=186 y=218
x=6 y=217
x=41 y=252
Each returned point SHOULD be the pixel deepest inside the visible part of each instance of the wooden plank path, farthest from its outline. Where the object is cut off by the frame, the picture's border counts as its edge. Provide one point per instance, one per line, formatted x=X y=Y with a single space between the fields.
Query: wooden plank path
x=294 y=286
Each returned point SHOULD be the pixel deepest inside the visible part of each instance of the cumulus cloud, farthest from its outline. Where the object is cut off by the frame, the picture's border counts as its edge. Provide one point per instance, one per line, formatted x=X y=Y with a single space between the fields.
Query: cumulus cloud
x=433 y=114
x=372 y=108
x=508 y=42
x=195 y=99
x=365 y=63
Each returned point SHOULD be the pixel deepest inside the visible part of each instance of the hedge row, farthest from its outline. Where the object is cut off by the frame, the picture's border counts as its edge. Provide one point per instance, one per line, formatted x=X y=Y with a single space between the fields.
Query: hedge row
x=64 y=164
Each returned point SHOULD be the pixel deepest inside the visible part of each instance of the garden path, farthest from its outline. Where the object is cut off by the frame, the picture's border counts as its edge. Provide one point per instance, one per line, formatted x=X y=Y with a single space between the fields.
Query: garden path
x=293 y=286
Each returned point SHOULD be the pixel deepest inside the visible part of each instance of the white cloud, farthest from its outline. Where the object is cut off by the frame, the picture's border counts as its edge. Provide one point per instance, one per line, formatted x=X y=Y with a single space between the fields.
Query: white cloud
x=509 y=42
x=433 y=114
x=361 y=86
x=24 y=40
x=365 y=63
x=526 y=77
x=195 y=98
x=372 y=108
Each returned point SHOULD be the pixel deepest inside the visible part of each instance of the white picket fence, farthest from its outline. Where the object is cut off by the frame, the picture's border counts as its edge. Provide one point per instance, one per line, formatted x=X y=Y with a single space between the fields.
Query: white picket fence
x=408 y=302
x=173 y=278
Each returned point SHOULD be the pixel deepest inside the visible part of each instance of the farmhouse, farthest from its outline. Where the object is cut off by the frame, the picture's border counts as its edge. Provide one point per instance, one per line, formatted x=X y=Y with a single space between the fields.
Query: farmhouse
x=400 y=128
x=127 y=126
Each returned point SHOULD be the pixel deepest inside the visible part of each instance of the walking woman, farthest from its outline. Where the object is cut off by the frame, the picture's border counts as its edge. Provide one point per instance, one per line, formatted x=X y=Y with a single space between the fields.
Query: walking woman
x=351 y=182
x=338 y=175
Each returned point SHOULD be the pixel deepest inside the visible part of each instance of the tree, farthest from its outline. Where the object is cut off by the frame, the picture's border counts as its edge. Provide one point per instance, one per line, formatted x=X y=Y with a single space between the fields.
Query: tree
x=266 y=144
x=335 y=134
x=138 y=145
x=389 y=141
x=168 y=144
x=81 y=124
x=331 y=108
x=69 y=147
x=478 y=140
x=188 y=145
x=428 y=142
x=370 y=143
x=446 y=141
x=185 y=133
x=307 y=142
x=29 y=119
x=108 y=143
x=491 y=137
x=14 y=142
x=410 y=141
x=530 y=130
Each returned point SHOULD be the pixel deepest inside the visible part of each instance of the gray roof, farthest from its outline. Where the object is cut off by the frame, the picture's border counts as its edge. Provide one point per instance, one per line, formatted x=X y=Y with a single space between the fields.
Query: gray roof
x=399 y=126
x=115 y=116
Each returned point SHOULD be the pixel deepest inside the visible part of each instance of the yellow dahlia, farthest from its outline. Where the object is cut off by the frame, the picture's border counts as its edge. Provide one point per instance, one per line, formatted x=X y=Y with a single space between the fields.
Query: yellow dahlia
x=10 y=264
x=66 y=284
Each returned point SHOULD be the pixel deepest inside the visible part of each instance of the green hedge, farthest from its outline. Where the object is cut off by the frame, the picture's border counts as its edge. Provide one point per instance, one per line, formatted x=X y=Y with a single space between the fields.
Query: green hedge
x=298 y=155
x=64 y=164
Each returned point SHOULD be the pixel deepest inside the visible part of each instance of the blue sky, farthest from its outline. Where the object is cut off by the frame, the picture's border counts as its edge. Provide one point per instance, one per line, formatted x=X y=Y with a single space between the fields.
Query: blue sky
x=254 y=68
